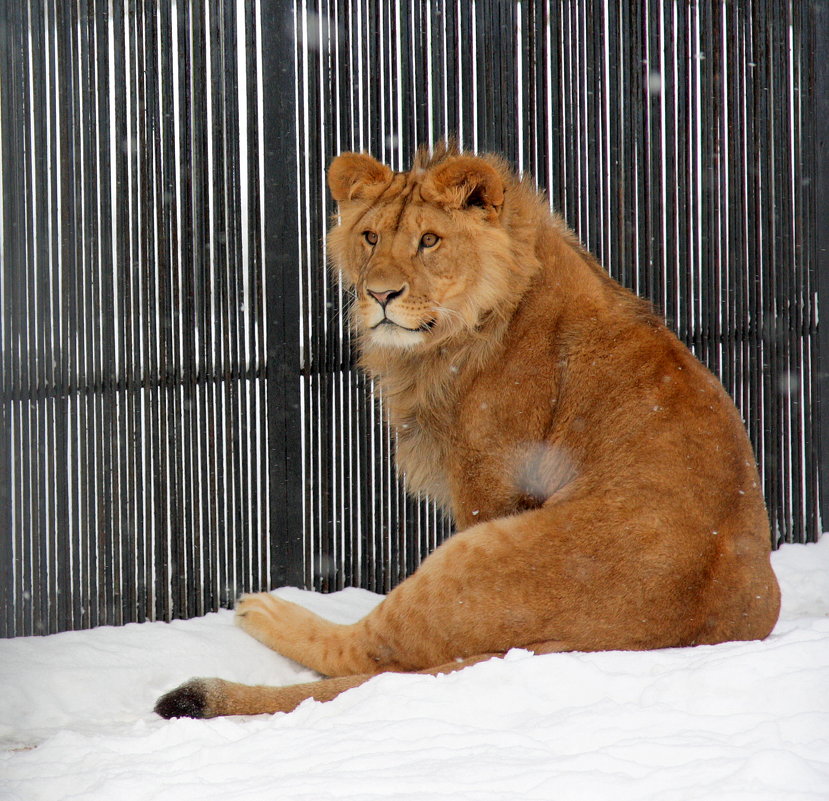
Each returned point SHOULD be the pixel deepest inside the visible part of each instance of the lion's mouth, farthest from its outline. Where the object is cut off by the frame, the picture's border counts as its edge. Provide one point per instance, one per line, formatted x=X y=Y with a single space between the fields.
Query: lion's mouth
x=421 y=329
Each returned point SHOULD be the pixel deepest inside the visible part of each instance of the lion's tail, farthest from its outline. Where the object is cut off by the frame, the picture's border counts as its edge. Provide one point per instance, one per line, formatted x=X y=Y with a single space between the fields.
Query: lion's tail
x=209 y=698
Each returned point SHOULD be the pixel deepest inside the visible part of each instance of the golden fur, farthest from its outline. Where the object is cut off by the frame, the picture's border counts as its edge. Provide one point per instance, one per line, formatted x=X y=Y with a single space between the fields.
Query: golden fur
x=602 y=485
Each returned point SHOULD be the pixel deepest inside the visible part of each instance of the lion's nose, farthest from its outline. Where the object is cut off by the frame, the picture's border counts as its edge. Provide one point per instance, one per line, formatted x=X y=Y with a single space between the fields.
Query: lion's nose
x=383 y=296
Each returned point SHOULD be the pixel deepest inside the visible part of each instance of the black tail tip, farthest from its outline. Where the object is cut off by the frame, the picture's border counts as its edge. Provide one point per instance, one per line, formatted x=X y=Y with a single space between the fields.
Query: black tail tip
x=187 y=701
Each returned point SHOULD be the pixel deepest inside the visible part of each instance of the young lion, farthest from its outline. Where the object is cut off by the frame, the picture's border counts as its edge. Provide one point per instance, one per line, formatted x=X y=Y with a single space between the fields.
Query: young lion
x=603 y=487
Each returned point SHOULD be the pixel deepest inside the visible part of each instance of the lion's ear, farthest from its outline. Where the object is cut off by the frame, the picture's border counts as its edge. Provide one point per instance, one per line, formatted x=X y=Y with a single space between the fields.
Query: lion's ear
x=357 y=176
x=463 y=182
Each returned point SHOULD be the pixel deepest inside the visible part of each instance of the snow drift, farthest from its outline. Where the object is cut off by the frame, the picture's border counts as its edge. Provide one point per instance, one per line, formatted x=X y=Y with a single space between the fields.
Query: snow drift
x=745 y=720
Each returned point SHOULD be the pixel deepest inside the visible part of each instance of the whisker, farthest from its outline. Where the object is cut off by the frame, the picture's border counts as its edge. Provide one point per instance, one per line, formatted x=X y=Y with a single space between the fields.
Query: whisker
x=455 y=315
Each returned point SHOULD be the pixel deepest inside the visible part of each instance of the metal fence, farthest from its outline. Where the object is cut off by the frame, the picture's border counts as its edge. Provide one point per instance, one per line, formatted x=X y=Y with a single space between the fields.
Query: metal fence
x=181 y=420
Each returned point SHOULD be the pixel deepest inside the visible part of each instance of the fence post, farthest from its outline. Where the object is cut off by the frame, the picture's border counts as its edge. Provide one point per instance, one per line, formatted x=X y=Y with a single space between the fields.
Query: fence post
x=282 y=257
x=820 y=229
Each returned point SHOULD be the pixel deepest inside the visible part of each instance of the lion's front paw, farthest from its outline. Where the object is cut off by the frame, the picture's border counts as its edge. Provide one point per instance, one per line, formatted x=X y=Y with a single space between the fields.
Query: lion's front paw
x=253 y=602
x=277 y=623
x=258 y=615
x=295 y=632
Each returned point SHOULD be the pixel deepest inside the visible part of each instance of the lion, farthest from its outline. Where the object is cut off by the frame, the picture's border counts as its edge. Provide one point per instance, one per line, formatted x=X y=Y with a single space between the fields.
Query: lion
x=604 y=491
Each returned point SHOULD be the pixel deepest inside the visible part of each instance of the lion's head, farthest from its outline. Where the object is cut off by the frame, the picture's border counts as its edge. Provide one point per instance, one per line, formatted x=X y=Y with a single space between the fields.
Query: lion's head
x=425 y=252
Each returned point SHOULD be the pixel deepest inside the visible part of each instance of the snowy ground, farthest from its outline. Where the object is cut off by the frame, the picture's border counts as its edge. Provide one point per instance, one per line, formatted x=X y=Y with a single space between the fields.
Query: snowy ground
x=735 y=721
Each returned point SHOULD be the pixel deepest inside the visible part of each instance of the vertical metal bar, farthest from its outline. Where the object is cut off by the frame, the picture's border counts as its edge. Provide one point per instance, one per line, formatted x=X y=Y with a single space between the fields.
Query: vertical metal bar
x=729 y=70
x=173 y=602
x=99 y=535
x=797 y=379
x=629 y=57
x=463 y=58
x=528 y=68
x=613 y=131
x=13 y=583
x=281 y=259
x=786 y=334
x=581 y=218
x=307 y=108
x=33 y=350
x=343 y=522
x=535 y=58
x=781 y=266
x=253 y=300
x=764 y=235
x=485 y=76
x=307 y=329
x=67 y=225
x=237 y=387
x=216 y=315
x=819 y=136
x=43 y=33
x=326 y=556
x=8 y=586
x=192 y=522
x=108 y=523
x=17 y=288
x=668 y=85
x=201 y=244
x=173 y=214
x=653 y=203
x=735 y=205
x=708 y=104
x=137 y=354
x=60 y=573
x=803 y=25
x=119 y=254
x=85 y=334
x=26 y=342
x=638 y=99
x=593 y=129
x=156 y=575
x=123 y=257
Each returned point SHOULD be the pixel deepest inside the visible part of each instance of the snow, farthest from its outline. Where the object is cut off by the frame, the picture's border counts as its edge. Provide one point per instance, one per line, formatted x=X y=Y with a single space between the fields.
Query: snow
x=732 y=721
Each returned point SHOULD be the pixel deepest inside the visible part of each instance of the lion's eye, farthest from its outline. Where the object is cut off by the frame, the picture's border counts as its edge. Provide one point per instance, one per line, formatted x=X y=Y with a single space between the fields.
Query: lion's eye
x=429 y=240
x=370 y=237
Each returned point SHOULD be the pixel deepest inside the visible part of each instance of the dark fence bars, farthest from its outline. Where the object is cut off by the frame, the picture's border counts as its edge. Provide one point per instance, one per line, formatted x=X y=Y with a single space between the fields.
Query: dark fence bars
x=181 y=420
x=150 y=368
